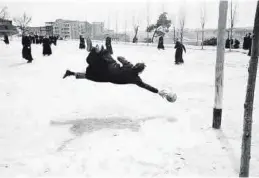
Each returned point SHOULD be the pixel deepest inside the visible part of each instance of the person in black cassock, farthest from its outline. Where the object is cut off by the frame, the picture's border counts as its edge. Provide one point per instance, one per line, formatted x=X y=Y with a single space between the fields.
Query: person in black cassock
x=236 y=44
x=33 y=39
x=108 y=44
x=82 y=43
x=179 y=52
x=103 y=68
x=89 y=44
x=46 y=43
x=55 y=38
x=26 y=50
x=161 y=43
x=245 y=46
x=37 y=39
x=40 y=39
x=6 y=39
x=227 y=44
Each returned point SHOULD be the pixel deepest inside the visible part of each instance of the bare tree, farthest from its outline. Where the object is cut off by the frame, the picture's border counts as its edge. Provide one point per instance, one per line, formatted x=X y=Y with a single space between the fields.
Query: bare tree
x=135 y=27
x=22 y=22
x=232 y=21
x=182 y=23
x=174 y=26
x=197 y=37
x=249 y=101
x=3 y=13
x=202 y=20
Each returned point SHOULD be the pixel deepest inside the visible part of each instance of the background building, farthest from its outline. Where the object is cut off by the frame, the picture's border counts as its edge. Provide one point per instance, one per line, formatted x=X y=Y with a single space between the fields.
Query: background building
x=6 y=27
x=97 y=30
x=71 y=29
x=41 y=31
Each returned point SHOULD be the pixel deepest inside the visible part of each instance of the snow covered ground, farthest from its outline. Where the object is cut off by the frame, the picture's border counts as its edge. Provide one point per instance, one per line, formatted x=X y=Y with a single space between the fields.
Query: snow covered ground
x=51 y=126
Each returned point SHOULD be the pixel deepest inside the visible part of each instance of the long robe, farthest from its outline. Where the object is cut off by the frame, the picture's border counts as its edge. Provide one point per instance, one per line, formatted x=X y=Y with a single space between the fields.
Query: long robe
x=46 y=46
x=82 y=43
x=179 y=52
x=26 y=50
x=6 y=40
x=161 y=43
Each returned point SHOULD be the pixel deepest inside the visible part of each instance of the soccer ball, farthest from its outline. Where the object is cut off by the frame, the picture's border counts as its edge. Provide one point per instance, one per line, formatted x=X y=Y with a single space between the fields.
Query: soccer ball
x=171 y=97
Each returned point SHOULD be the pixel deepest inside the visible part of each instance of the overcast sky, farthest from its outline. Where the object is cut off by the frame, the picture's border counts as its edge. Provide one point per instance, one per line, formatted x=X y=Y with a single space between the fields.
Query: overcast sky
x=127 y=10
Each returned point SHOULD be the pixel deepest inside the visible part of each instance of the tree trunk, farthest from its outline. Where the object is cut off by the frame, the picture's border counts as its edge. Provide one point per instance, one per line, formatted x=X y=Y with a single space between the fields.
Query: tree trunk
x=217 y=112
x=202 y=38
x=135 y=36
x=248 y=106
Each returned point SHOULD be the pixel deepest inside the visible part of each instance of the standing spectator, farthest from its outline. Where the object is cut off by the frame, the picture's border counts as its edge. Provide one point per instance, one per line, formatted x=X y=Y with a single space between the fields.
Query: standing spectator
x=26 y=50
x=179 y=52
x=46 y=43
x=161 y=43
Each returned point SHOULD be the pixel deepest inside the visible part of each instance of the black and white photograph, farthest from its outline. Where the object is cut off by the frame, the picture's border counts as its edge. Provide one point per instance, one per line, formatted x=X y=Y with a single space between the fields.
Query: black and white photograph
x=129 y=88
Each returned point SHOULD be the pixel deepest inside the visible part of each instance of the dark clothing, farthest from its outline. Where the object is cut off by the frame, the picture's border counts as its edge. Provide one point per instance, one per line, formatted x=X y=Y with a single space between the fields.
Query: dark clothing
x=179 y=52
x=161 y=43
x=121 y=80
x=228 y=43
x=82 y=43
x=105 y=69
x=236 y=45
x=108 y=44
x=46 y=46
x=37 y=40
x=40 y=39
x=26 y=51
x=245 y=44
x=33 y=40
x=6 y=40
x=55 y=39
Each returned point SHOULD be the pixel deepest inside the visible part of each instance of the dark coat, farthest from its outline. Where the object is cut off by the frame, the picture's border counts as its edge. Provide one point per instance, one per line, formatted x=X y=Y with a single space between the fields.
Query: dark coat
x=46 y=46
x=37 y=40
x=161 y=43
x=82 y=43
x=236 y=44
x=55 y=39
x=179 y=52
x=26 y=50
x=245 y=45
x=6 y=40
x=103 y=68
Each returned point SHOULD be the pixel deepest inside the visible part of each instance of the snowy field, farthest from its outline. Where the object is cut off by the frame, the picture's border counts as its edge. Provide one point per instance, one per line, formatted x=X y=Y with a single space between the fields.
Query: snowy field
x=51 y=126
